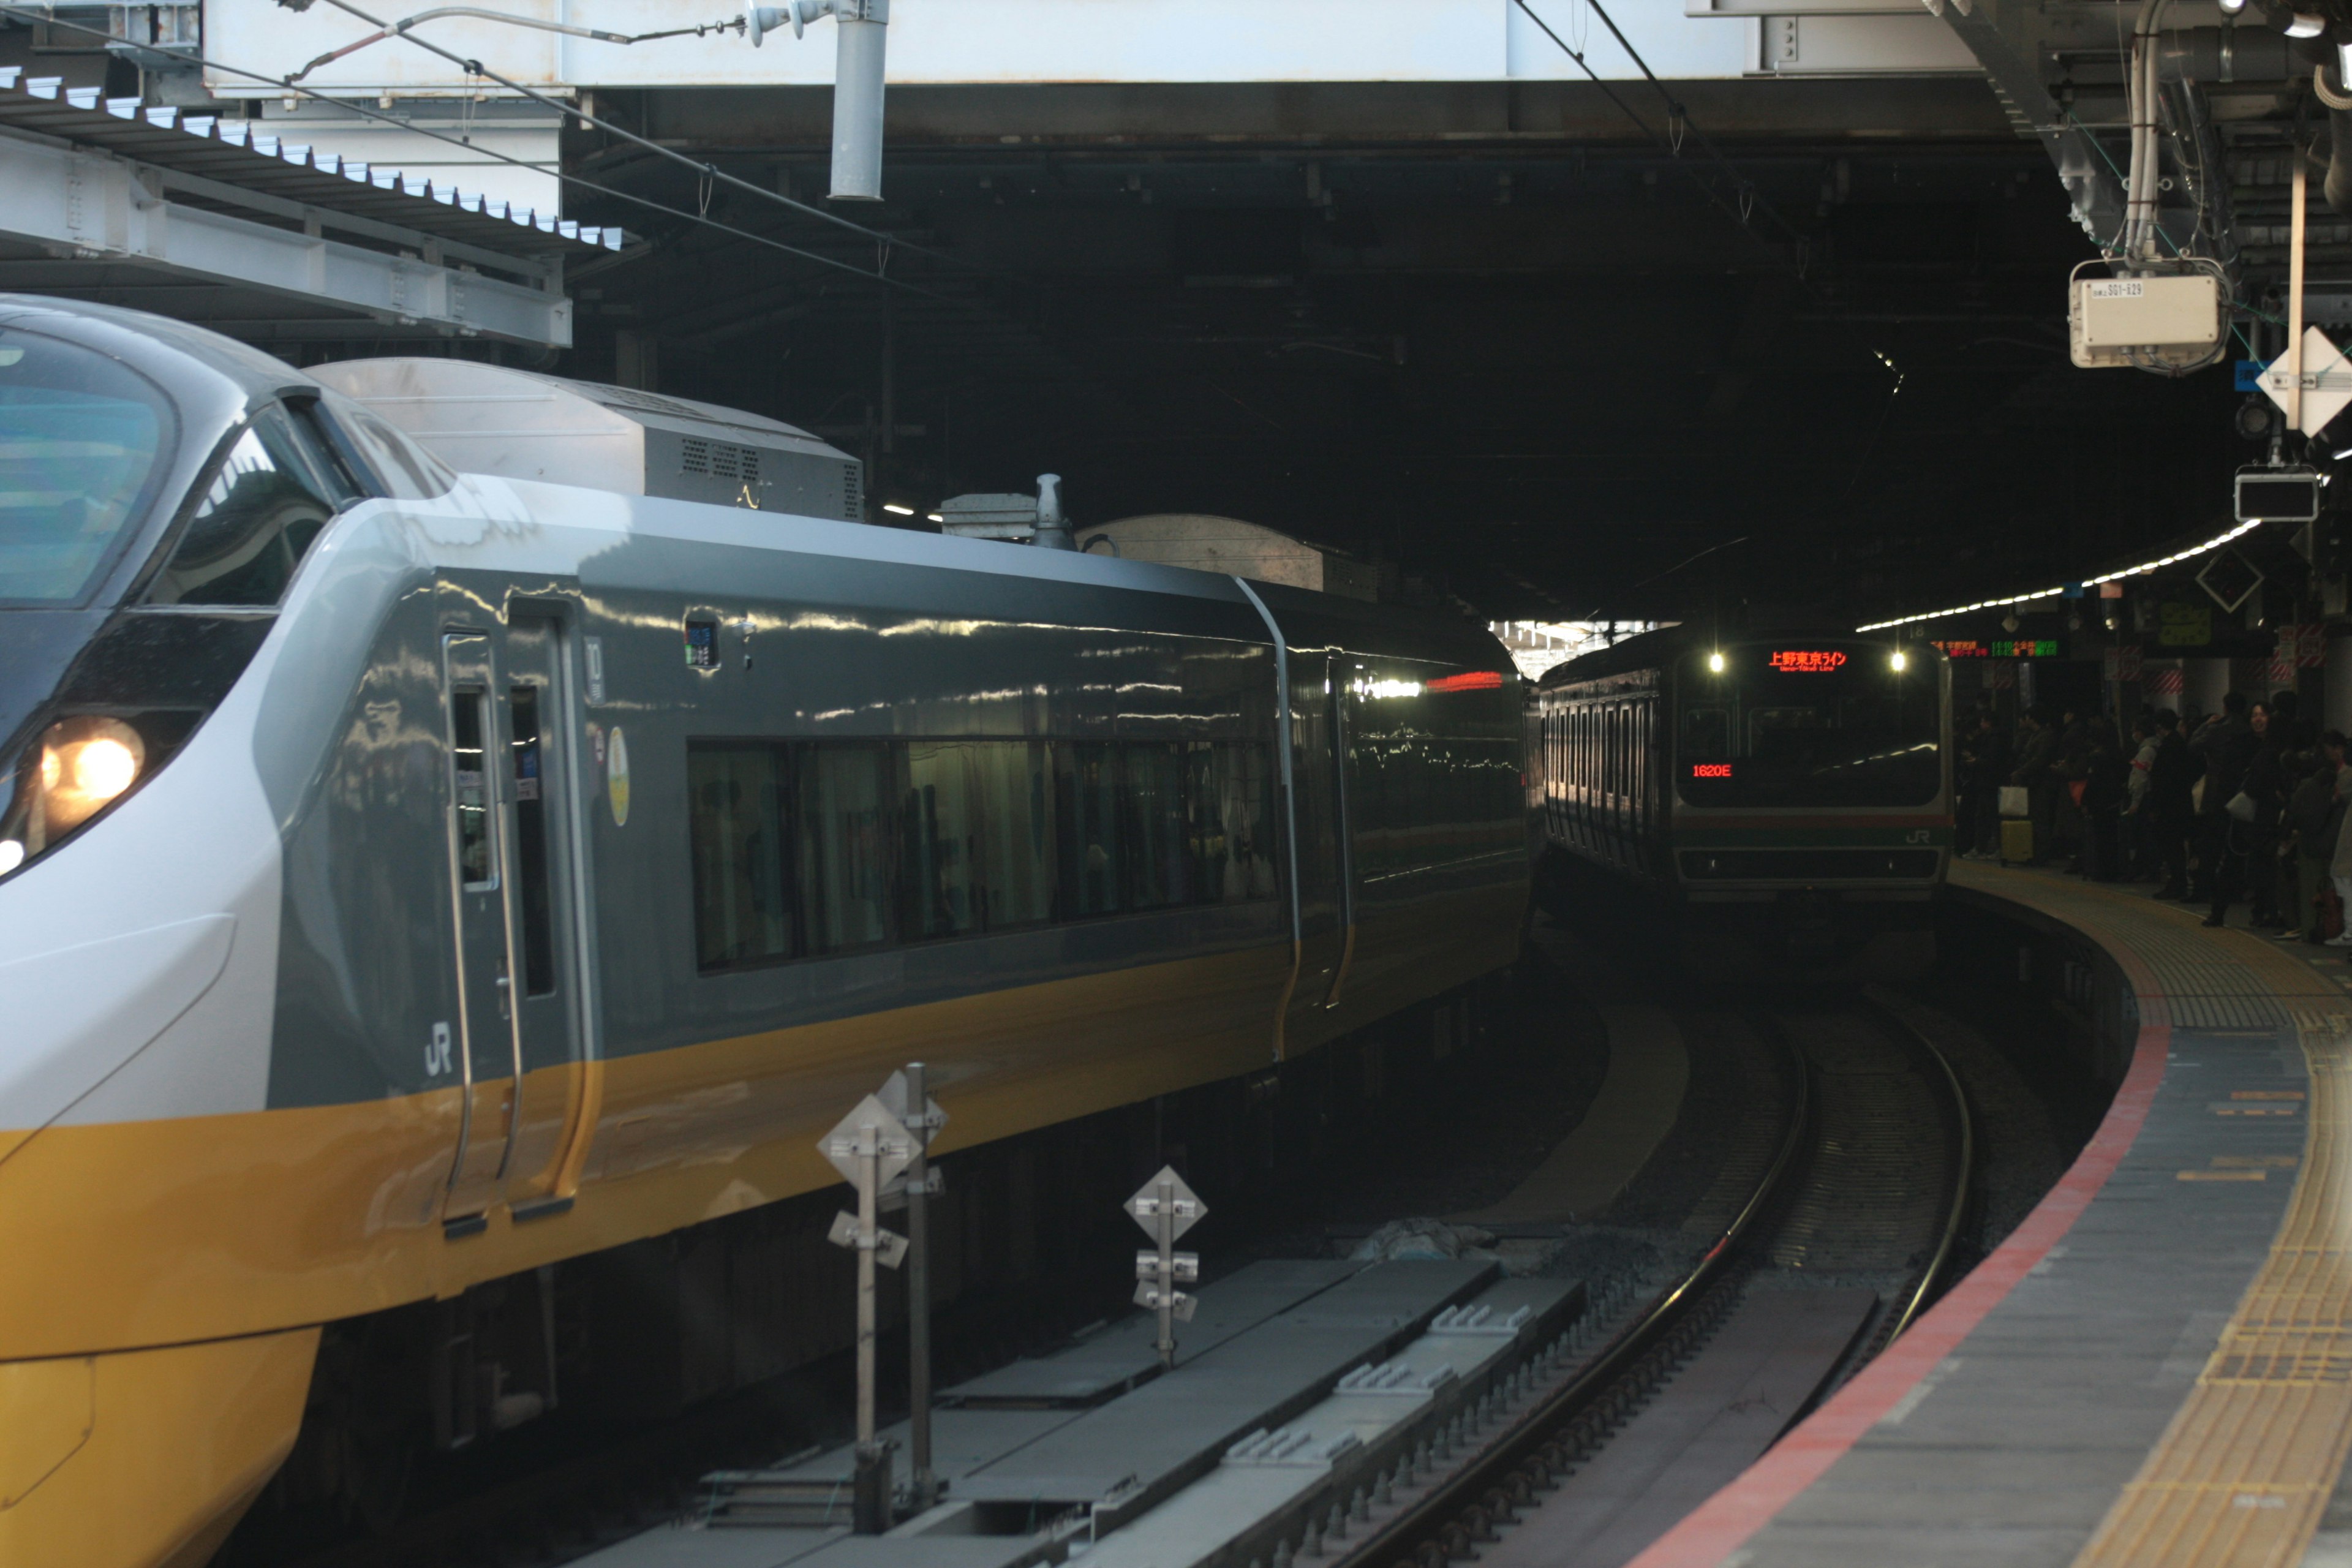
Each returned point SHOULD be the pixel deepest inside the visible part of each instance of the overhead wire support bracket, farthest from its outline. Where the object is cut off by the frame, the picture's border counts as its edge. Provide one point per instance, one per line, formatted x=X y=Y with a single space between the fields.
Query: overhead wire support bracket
x=868 y=21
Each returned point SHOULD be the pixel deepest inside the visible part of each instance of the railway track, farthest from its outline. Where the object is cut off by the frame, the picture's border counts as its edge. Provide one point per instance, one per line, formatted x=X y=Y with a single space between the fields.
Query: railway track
x=1852 y=1190
x=1838 y=1175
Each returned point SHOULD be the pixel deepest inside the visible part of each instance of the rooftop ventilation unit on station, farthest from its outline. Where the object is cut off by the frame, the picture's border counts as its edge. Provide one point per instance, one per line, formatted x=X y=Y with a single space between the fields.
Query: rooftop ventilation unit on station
x=485 y=419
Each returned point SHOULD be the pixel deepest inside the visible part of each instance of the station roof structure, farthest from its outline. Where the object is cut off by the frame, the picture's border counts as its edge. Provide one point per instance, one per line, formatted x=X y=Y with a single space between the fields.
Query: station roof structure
x=212 y=218
x=1571 y=310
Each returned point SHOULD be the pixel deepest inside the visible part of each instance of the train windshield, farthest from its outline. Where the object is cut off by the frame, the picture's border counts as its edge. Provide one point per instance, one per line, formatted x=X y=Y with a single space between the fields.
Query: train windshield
x=82 y=441
x=1818 y=725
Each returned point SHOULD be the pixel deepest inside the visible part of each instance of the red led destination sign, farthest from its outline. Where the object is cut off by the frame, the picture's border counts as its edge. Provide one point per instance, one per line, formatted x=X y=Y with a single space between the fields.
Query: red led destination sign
x=1710 y=770
x=1808 y=660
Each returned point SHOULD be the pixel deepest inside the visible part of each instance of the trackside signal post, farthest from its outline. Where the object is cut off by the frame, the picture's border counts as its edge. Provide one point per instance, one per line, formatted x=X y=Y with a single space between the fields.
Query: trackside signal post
x=1166 y=1208
x=907 y=1097
x=869 y=1147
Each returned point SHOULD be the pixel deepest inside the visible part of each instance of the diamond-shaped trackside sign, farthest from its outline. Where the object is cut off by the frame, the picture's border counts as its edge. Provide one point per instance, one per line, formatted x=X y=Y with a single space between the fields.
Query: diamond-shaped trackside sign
x=2325 y=364
x=2231 y=578
x=1184 y=1204
x=846 y=1144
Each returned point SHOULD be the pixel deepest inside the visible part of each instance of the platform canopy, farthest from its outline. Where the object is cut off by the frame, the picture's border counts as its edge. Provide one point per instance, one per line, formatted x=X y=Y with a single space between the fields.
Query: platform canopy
x=212 y=219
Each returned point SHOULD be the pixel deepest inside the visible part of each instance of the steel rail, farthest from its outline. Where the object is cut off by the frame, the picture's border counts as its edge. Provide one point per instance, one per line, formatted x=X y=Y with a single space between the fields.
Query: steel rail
x=1931 y=1277
x=1427 y=1519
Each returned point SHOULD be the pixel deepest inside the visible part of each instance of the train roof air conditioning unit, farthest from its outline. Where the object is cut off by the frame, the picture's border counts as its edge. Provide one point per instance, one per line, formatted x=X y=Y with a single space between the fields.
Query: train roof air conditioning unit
x=517 y=423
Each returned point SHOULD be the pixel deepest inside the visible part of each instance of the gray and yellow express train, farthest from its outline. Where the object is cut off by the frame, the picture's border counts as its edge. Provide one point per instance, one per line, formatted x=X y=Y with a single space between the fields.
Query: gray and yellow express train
x=1792 y=788
x=411 y=880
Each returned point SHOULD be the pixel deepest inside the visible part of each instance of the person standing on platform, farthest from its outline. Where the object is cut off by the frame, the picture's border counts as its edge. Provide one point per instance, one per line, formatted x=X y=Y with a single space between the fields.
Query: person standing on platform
x=2105 y=775
x=2315 y=813
x=2139 y=817
x=2172 y=809
x=2225 y=745
x=2070 y=765
x=2339 y=861
x=2256 y=831
x=1985 y=755
x=2035 y=744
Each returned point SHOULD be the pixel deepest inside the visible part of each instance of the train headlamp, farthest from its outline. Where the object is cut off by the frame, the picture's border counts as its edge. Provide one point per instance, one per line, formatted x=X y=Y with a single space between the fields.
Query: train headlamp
x=1714 y=663
x=85 y=762
x=1898 y=661
x=78 y=767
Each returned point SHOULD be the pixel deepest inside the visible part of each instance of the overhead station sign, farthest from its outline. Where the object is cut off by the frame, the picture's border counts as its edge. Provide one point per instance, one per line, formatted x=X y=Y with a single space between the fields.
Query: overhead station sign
x=2019 y=648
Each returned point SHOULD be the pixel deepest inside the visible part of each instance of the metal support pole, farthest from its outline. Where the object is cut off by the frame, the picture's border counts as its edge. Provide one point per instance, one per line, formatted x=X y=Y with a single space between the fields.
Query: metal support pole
x=858 y=70
x=2295 y=297
x=919 y=1293
x=870 y=1504
x=1165 y=1191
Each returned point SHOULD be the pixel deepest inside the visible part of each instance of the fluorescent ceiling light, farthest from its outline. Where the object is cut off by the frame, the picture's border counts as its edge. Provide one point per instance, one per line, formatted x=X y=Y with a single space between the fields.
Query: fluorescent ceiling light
x=2215 y=542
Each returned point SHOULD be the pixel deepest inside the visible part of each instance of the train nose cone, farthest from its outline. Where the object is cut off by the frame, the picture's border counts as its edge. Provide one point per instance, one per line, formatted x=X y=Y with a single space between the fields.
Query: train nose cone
x=75 y=1014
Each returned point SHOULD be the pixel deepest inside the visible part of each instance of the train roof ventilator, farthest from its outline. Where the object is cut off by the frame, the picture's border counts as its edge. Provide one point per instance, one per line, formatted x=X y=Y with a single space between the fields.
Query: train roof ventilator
x=1017 y=518
x=487 y=419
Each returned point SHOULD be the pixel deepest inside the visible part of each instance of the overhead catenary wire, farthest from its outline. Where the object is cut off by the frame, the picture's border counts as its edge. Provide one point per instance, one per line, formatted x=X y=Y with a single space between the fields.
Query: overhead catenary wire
x=1672 y=150
x=1681 y=116
x=483 y=13
x=701 y=168
x=29 y=14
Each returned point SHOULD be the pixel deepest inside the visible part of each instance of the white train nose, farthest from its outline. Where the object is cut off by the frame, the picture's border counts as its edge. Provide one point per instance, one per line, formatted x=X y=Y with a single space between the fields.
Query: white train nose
x=76 y=1014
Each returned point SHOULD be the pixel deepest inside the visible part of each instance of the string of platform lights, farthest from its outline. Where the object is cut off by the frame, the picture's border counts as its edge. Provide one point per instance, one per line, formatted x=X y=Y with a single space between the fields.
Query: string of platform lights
x=2211 y=544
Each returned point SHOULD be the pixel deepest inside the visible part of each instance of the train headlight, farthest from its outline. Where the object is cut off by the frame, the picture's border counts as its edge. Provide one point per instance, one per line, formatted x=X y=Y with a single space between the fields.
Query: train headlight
x=1898 y=661
x=85 y=762
x=80 y=766
x=1714 y=663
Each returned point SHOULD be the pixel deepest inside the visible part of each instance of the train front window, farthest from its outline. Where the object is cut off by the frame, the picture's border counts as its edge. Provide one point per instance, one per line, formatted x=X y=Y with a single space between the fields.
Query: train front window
x=81 y=442
x=1839 y=727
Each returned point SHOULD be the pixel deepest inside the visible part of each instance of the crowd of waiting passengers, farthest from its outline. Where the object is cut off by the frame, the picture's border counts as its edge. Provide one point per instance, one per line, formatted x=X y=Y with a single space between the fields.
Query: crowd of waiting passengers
x=2248 y=802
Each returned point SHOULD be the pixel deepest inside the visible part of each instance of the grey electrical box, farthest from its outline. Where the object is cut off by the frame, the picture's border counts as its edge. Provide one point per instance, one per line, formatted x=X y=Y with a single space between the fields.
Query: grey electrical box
x=2277 y=495
x=487 y=419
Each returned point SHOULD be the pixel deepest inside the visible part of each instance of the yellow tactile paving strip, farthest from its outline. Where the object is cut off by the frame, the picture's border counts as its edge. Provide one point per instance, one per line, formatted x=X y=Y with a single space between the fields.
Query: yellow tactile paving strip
x=2245 y=1471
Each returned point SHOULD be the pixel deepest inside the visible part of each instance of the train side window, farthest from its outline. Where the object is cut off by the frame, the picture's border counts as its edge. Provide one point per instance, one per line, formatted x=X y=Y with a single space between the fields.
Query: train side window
x=1015 y=784
x=331 y=467
x=531 y=845
x=736 y=798
x=846 y=871
x=1153 y=823
x=1087 y=798
x=476 y=868
x=941 y=818
x=256 y=521
x=399 y=467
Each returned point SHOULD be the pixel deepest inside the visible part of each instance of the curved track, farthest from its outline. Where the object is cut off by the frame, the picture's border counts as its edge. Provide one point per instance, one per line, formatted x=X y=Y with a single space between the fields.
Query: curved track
x=1847 y=1194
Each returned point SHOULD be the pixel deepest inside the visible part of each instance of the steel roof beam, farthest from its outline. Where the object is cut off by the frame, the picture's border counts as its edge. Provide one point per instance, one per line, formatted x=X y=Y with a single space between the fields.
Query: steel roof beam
x=95 y=207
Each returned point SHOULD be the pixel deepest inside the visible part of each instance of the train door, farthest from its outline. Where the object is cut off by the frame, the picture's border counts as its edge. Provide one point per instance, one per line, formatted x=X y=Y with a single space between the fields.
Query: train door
x=1318 y=821
x=1345 y=672
x=518 y=1031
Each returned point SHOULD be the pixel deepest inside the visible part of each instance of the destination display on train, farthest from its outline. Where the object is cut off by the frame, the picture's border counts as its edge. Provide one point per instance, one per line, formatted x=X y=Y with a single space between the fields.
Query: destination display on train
x=1710 y=770
x=2019 y=648
x=1808 y=660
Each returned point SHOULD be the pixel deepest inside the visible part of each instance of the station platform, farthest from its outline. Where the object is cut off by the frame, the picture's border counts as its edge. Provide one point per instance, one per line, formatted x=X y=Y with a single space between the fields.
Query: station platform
x=2156 y=1367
